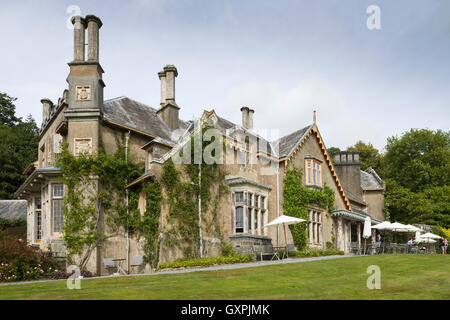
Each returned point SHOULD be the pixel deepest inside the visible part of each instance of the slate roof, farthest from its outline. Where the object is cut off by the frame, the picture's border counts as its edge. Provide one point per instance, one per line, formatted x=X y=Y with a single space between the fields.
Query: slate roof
x=370 y=180
x=139 y=116
x=13 y=209
x=353 y=197
x=286 y=144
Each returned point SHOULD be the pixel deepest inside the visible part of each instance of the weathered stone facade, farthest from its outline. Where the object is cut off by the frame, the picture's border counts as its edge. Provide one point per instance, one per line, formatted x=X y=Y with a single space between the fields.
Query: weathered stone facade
x=83 y=119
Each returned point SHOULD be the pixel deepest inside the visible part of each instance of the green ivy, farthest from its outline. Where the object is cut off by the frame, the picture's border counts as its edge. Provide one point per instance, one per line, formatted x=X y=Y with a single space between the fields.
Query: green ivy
x=104 y=177
x=297 y=197
x=182 y=189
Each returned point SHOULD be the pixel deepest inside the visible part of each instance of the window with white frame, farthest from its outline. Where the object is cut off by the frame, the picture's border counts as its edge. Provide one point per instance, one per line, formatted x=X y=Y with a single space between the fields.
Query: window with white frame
x=57 y=208
x=313 y=170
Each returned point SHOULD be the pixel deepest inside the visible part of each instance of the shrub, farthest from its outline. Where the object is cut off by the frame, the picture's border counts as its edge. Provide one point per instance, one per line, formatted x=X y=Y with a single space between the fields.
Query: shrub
x=227 y=250
x=7 y=223
x=205 y=262
x=318 y=253
x=19 y=262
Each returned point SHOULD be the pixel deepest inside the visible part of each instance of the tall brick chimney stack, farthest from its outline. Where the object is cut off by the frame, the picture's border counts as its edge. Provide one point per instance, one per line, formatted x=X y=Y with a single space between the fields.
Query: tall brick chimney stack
x=348 y=168
x=247 y=117
x=169 y=111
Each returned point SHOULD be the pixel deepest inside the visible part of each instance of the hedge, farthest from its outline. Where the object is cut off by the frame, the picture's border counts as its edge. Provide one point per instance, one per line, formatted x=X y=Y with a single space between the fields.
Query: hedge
x=205 y=262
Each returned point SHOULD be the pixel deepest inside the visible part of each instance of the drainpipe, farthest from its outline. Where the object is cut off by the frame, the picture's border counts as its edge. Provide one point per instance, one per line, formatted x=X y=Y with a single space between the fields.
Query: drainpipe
x=278 y=200
x=200 y=208
x=127 y=137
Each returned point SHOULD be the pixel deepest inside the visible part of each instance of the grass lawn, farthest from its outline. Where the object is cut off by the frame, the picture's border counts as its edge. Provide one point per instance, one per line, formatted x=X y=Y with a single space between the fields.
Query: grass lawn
x=402 y=277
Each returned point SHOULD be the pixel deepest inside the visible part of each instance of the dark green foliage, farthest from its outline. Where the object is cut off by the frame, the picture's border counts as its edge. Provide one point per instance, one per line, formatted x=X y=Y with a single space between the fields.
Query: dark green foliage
x=8 y=223
x=296 y=200
x=419 y=159
x=369 y=156
x=417 y=167
x=18 y=146
x=206 y=262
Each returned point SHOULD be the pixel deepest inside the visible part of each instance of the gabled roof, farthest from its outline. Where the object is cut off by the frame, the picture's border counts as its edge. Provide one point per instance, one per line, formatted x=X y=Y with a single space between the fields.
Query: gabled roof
x=13 y=209
x=371 y=181
x=138 y=116
x=286 y=145
x=313 y=130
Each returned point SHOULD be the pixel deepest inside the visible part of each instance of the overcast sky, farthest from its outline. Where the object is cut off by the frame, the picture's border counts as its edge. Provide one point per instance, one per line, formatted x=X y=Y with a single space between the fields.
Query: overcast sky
x=282 y=58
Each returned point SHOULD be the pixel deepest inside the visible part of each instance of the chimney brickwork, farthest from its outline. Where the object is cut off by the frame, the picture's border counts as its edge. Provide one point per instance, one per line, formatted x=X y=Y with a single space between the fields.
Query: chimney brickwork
x=348 y=168
x=169 y=111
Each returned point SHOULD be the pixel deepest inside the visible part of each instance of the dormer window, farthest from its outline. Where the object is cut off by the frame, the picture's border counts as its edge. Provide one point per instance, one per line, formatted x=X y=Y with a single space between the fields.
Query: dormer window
x=313 y=170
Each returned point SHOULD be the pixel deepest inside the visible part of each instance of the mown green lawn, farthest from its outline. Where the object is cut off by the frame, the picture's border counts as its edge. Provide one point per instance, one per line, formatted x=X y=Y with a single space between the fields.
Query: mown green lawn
x=402 y=277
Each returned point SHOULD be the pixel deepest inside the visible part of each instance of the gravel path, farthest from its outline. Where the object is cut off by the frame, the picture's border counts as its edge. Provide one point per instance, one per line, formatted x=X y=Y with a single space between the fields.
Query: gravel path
x=197 y=269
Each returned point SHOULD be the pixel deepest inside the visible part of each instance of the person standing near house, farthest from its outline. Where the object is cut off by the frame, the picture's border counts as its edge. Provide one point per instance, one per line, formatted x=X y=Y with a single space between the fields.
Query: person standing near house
x=443 y=243
x=410 y=243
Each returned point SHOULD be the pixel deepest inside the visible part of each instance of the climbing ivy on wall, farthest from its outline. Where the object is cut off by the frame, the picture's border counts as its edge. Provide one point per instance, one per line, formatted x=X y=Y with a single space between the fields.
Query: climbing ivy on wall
x=96 y=183
x=182 y=188
x=297 y=197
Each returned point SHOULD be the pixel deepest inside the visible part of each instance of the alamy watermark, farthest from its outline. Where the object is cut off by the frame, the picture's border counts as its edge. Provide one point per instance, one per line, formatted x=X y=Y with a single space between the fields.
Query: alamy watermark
x=374 y=280
x=74 y=281
x=374 y=19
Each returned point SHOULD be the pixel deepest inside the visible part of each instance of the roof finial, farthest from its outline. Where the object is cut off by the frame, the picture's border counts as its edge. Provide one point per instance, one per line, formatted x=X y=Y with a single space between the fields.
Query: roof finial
x=314 y=117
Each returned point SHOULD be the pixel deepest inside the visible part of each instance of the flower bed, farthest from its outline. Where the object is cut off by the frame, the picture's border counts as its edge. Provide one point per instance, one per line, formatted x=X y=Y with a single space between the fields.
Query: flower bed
x=20 y=262
x=205 y=262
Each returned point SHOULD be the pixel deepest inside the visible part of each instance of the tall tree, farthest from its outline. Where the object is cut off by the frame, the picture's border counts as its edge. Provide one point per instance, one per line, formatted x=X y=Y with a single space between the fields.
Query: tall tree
x=369 y=156
x=18 y=146
x=418 y=167
x=419 y=159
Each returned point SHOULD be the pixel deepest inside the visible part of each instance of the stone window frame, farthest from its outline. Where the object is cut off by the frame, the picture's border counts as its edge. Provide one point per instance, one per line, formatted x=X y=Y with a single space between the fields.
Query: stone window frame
x=57 y=199
x=315 y=226
x=258 y=215
x=313 y=172
x=38 y=235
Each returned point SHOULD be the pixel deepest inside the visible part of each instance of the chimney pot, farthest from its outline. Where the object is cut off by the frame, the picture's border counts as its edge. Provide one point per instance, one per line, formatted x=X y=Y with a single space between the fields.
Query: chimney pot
x=79 y=25
x=93 y=24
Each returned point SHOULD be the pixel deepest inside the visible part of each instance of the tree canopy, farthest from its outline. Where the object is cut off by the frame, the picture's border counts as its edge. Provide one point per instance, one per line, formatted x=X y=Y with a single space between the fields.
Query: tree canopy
x=18 y=146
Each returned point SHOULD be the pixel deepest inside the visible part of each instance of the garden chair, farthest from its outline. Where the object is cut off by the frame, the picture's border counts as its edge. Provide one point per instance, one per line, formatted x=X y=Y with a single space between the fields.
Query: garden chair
x=109 y=264
x=137 y=261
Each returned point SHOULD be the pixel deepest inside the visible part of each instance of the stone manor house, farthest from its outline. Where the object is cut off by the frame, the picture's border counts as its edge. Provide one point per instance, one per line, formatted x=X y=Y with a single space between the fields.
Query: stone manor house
x=82 y=118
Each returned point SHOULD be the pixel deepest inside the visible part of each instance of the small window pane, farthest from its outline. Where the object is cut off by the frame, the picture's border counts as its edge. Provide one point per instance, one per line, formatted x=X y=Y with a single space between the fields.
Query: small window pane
x=239 y=219
x=262 y=202
x=249 y=200
x=256 y=200
x=58 y=190
x=57 y=215
x=38 y=204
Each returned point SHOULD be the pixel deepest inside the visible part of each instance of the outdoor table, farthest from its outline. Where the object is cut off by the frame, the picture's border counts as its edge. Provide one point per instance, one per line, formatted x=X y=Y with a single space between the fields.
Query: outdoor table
x=277 y=251
x=119 y=265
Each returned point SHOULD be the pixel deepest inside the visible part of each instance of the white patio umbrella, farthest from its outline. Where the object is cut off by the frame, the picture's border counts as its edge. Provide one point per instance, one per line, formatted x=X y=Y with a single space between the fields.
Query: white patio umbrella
x=385 y=225
x=367 y=232
x=284 y=220
x=428 y=238
x=399 y=227
x=413 y=228
x=430 y=235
